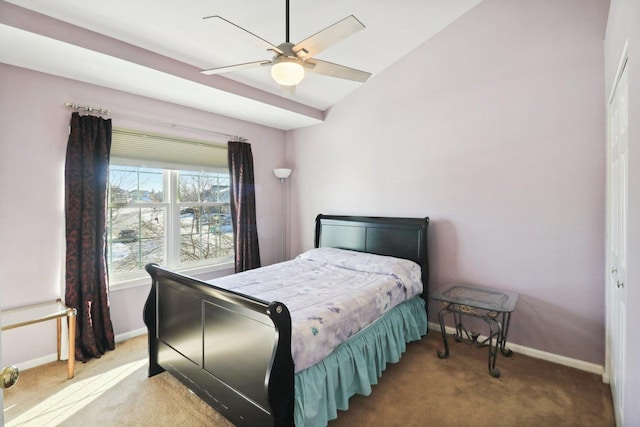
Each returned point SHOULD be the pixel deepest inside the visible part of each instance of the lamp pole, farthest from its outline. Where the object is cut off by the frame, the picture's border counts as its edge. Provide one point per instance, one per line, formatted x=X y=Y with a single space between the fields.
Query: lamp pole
x=284 y=218
x=282 y=174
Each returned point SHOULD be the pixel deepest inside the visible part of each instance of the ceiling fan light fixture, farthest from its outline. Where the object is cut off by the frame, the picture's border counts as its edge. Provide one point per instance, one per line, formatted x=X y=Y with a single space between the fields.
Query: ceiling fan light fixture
x=287 y=71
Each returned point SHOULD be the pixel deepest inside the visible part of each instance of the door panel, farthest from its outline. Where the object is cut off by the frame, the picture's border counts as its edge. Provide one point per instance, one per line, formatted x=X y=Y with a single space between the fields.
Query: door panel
x=617 y=177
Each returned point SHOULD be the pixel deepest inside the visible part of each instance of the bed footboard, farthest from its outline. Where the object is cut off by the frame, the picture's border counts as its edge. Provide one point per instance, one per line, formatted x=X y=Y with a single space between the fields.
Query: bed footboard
x=232 y=350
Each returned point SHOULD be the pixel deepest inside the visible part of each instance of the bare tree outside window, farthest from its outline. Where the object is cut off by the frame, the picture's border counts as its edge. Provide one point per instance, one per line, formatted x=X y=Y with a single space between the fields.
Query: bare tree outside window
x=205 y=223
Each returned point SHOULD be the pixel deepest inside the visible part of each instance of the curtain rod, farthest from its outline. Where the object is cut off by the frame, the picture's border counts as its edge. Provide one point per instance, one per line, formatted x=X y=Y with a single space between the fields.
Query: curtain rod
x=106 y=112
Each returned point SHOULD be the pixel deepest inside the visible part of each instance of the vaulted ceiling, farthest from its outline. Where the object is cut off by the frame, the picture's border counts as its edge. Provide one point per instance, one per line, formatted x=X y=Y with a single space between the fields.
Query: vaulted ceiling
x=157 y=49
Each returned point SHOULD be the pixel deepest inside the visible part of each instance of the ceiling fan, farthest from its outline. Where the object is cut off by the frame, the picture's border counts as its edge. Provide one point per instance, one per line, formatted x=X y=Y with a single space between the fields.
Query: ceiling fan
x=290 y=60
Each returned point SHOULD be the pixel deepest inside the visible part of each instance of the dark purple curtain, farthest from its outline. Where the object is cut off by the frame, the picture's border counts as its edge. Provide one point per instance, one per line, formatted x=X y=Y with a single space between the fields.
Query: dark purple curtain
x=243 y=206
x=86 y=175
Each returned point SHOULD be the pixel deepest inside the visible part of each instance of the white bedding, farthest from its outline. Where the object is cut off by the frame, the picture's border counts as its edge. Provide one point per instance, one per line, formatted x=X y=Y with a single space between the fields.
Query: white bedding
x=331 y=294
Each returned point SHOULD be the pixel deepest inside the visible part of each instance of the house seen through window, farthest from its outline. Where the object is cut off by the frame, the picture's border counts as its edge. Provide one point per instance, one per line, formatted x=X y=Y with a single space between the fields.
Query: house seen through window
x=168 y=212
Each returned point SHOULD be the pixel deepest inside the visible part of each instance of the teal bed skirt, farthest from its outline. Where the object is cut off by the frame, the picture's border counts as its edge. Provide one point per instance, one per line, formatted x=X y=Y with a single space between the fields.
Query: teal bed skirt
x=355 y=365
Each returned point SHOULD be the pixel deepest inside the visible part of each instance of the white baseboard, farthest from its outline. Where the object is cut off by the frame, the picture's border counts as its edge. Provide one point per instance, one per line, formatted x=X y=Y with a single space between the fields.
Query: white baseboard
x=131 y=334
x=36 y=362
x=516 y=348
x=54 y=356
x=539 y=354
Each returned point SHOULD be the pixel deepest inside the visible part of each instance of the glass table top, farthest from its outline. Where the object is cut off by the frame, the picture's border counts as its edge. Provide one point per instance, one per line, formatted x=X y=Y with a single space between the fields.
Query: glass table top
x=478 y=296
x=34 y=314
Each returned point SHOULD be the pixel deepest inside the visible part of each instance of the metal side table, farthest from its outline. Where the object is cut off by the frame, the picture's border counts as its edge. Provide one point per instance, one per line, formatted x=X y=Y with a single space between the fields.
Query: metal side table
x=494 y=306
x=39 y=313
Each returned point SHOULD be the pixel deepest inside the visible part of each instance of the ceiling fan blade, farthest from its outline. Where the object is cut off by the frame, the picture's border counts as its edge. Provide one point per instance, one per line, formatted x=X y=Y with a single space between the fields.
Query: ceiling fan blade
x=334 y=70
x=253 y=38
x=328 y=37
x=236 y=67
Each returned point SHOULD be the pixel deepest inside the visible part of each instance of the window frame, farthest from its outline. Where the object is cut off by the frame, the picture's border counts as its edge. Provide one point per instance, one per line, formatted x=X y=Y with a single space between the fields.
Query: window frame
x=172 y=229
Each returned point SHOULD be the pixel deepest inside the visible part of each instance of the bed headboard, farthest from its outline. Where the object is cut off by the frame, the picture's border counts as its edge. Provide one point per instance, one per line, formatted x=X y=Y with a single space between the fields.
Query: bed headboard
x=398 y=237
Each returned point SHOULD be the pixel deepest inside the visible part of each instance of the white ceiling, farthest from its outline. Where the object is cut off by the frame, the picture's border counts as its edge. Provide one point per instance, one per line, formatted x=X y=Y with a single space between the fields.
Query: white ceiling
x=177 y=31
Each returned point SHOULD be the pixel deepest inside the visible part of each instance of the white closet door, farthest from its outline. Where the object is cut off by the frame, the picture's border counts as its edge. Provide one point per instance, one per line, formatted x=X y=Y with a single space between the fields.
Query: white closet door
x=617 y=177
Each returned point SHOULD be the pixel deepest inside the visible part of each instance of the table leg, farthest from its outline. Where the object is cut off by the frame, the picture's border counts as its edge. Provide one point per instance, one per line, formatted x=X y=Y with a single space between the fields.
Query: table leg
x=445 y=354
x=72 y=346
x=457 y=320
x=59 y=335
x=493 y=350
x=506 y=317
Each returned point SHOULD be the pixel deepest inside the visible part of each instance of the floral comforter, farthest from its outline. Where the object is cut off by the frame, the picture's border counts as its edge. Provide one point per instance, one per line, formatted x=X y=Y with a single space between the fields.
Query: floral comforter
x=331 y=294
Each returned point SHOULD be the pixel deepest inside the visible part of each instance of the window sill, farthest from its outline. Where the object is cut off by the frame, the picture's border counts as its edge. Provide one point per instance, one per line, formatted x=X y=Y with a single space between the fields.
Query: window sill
x=145 y=280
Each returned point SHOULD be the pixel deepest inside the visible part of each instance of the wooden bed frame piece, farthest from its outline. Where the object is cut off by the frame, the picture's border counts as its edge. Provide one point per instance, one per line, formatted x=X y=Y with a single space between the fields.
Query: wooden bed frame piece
x=233 y=350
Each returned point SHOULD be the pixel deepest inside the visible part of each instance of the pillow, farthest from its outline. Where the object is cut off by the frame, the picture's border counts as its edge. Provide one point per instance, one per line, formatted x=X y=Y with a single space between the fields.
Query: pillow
x=405 y=270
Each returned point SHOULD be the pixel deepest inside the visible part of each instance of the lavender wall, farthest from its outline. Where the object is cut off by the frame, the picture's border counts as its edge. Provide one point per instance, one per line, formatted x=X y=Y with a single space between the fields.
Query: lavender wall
x=33 y=137
x=495 y=129
x=624 y=26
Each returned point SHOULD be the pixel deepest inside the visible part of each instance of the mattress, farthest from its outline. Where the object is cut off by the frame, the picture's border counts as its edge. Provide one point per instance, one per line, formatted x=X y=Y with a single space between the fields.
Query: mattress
x=331 y=294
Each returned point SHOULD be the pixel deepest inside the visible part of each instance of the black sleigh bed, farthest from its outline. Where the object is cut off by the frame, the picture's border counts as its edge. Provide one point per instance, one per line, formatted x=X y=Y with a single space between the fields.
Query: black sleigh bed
x=235 y=350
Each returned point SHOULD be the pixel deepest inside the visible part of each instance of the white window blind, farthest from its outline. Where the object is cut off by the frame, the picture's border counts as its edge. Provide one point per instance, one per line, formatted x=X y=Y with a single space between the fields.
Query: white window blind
x=145 y=149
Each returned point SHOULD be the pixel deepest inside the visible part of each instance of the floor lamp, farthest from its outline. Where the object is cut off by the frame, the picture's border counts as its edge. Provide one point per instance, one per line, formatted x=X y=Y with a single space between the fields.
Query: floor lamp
x=282 y=174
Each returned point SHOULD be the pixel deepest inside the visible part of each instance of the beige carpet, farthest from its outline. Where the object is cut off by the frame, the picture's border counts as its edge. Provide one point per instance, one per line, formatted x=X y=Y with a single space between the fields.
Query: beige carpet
x=421 y=390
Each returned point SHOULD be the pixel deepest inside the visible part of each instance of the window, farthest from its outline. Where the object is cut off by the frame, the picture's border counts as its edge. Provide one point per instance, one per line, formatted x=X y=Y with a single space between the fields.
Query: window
x=205 y=221
x=166 y=212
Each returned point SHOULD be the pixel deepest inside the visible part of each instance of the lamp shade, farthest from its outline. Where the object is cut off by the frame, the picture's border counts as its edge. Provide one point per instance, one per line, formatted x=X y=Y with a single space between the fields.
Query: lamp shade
x=282 y=173
x=287 y=71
